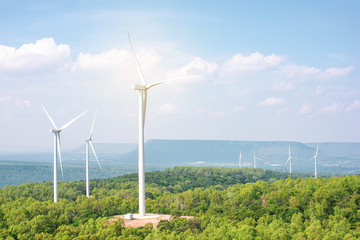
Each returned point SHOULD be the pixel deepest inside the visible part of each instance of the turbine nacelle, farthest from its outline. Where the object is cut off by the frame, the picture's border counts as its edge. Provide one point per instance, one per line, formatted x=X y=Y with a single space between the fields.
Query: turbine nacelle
x=87 y=139
x=139 y=87
x=55 y=130
x=143 y=87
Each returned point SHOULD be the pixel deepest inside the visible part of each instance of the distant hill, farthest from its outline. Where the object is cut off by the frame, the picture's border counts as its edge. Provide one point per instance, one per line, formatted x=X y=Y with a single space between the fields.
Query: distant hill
x=346 y=149
x=274 y=154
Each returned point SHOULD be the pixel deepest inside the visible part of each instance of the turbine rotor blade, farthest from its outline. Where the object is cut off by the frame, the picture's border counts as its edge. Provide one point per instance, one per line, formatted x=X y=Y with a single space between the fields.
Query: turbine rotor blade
x=70 y=122
x=153 y=84
x=92 y=126
x=51 y=120
x=59 y=152
x=93 y=150
x=141 y=75
x=317 y=150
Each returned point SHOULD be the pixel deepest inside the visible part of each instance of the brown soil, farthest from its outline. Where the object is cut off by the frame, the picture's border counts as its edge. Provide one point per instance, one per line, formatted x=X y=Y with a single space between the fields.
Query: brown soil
x=140 y=222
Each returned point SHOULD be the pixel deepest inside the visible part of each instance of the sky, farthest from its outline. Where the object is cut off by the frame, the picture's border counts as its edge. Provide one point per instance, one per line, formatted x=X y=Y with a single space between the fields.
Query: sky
x=238 y=70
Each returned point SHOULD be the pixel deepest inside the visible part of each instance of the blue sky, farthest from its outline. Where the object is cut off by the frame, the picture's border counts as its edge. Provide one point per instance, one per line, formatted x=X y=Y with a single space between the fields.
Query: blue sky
x=279 y=70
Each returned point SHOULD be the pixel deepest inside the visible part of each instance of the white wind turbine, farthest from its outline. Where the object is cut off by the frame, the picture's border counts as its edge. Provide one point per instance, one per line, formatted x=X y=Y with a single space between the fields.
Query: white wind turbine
x=289 y=159
x=256 y=158
x=57 y=148
x=142 y=88
x=88 y=142
x=315 y=158
x=240 y=162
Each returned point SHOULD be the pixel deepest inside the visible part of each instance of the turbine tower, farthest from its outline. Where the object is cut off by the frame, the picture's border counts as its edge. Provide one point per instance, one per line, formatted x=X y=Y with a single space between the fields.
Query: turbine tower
x=142 y=88
x=57 y=148
x=315 y=158
x=88 y=142
x=289 y=159
x=240 y=163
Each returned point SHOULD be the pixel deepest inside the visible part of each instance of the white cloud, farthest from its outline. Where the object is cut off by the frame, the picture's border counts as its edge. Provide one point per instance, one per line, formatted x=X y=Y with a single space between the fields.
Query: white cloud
x=197 y=69
x=336 y=72
x=254 y=62
x=10 y=106
x=305 y=109
x=199 y=65
x=298 y=71
x=9 y=101
x=42 y=56
x=272 y=101
x=168 y=108
x=353 y=106
x=304 y=72
x=116 y=64
x=335 y=107
x=336 y=91
x=283 y=86
x=104 y=61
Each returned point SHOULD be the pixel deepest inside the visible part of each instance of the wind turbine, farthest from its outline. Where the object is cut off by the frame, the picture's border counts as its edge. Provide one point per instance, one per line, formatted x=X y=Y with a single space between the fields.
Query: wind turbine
x=57 y=148
x=289 y=159
x=142 y=88
x=315 y=158
x=240 y=160
x=255 y=159
x=88 y=142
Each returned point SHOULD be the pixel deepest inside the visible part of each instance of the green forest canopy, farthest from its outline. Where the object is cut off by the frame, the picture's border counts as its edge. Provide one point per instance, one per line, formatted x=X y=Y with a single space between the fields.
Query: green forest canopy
x=228 y=203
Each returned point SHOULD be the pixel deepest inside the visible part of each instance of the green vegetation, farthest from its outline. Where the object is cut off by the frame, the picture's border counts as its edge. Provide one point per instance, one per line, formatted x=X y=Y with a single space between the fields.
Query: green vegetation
x=227 y=203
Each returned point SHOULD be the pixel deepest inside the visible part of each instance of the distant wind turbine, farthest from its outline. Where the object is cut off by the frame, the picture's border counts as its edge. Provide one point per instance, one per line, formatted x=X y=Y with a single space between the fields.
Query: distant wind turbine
x=289 y=159
x=240 y=163
x=57 y=148
x=256 y=158
x=89 y=142
x=315 y=158
x=142 y=88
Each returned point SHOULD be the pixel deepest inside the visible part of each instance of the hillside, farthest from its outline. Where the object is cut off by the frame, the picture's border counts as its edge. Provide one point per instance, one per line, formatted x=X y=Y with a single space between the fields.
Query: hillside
x=169 y=153
x=118 y=159
x=223 y=207
x=342 y=149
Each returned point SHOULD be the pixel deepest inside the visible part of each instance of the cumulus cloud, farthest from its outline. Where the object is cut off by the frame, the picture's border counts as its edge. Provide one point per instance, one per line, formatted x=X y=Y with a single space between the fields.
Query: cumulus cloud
x=197 y=69
x=104 y=61
x=305 y=72
x=9 y=101
x=335 y=107
x=272 y=101
x=42 y=56
x=298 y=71
x=10 y=106
x=336 y=72
x=117 y=64
x=254 y=62
x=353 y=106
x=168 y=108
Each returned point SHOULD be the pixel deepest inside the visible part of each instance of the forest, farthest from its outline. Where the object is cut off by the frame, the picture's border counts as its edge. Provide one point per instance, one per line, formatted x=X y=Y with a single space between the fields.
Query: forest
x=227 y=203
